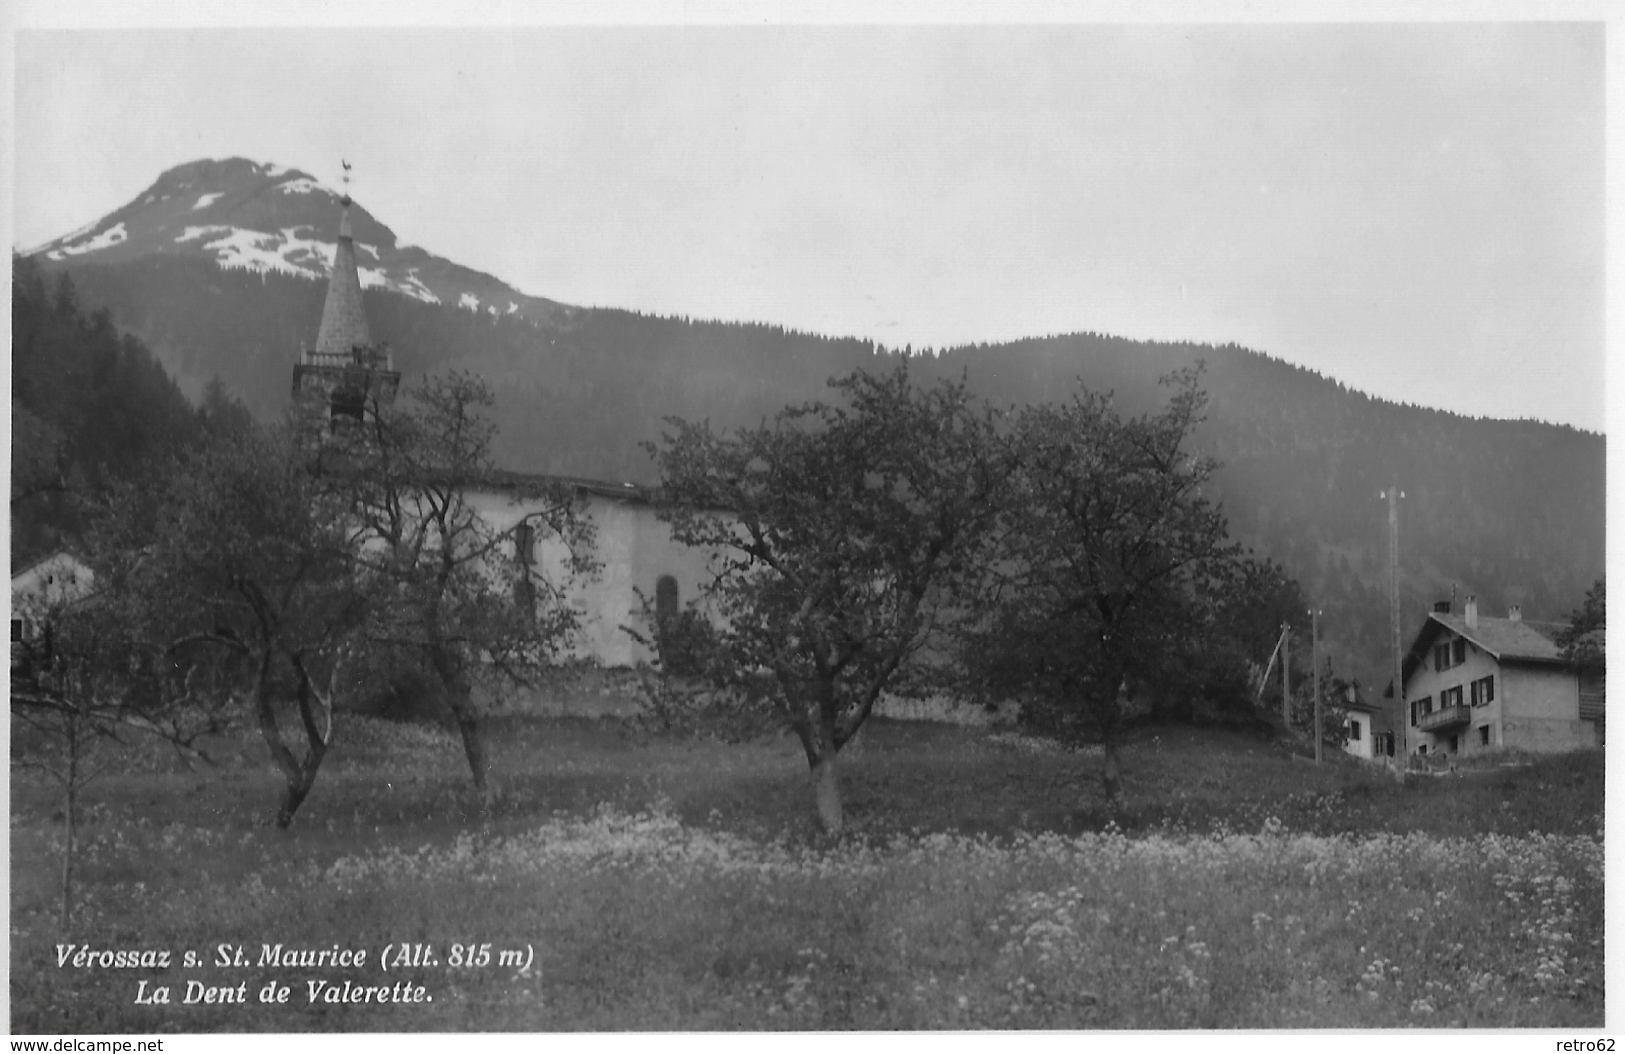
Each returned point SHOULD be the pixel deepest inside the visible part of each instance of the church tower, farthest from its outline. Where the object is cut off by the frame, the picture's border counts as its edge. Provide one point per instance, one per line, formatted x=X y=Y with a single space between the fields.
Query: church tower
x=346 y=376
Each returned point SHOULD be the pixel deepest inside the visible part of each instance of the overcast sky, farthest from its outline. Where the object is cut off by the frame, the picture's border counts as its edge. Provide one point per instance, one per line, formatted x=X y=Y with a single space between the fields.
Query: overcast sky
x=1414 y=209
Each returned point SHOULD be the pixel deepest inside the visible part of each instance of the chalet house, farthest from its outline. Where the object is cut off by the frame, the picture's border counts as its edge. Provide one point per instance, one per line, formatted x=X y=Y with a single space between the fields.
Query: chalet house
x=37 y=590
x=1473 y=683
x=346 y=372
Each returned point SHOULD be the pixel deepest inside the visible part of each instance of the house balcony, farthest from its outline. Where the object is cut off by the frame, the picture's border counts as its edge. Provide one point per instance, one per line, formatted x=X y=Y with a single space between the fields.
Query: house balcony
x=1449 y=717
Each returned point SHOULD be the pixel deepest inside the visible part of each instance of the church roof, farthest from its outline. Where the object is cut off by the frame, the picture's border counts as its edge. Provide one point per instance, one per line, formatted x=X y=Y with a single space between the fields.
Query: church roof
x=344 y=319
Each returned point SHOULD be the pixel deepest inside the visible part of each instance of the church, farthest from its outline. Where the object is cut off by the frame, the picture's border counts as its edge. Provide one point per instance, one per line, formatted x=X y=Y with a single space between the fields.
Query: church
x=346 y=371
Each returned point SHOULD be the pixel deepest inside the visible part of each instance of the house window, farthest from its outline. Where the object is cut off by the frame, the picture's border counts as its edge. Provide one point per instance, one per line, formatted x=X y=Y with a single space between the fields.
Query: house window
x=1354 y=731
x=1458 y=651
x=1455 y=746
x=1422 y=748
x=1483 y=735
x=1421 y=708
x=1483 y=691
x=1450 y=697
x=1441 y=657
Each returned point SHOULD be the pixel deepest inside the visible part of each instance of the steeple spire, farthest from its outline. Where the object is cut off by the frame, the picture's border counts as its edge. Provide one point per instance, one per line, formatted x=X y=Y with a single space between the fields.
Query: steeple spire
x=344 y=317
x=345 y=376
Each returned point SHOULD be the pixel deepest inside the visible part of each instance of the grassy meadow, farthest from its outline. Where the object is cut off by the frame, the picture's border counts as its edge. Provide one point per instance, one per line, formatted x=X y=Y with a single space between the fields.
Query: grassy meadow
x=632 y=882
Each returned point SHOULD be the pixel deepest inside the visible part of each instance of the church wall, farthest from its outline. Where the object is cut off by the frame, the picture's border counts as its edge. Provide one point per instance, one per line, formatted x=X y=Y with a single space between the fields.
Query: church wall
x=633 y=548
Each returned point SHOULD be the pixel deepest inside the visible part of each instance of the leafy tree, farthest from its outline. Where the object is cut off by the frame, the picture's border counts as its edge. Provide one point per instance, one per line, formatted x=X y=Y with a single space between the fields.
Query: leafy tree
x=1583 y=640
x=221 y=413
x=1214 y=658
x=840 y=535
x=408 y=481
x=1113 y=558
x=250 y=562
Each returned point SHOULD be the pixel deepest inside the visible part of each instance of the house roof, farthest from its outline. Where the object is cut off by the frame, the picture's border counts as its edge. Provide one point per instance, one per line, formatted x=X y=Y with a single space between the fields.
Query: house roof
x=629 y=492
x=625 y=493
x=1362 y=704
x=1508 y=640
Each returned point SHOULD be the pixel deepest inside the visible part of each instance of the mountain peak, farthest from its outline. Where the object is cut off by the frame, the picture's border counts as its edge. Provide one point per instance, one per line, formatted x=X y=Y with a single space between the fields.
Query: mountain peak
x=230 y=170
x=264 y=217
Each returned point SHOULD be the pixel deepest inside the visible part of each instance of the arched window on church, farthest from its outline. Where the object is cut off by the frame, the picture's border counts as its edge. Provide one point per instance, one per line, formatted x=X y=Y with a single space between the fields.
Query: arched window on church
x=665 y=599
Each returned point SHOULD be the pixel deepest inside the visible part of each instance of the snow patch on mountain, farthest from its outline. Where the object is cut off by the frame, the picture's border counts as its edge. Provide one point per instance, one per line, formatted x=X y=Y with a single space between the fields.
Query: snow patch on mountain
x=300 y=186
x=106 y=239
x=205 y=200
x=470 y=301
x=255 y=251
x=194 y=233
x=413 y=287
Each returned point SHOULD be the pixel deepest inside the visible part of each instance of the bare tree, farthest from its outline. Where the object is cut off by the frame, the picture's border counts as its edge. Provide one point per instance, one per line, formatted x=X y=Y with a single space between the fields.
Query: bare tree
x=466 y=598
x=251 y=560
x=81 y=690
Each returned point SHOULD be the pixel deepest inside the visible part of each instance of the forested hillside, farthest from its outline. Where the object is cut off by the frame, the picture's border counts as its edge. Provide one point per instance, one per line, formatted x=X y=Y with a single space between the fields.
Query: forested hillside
x=1510 y=511
x=89 y=407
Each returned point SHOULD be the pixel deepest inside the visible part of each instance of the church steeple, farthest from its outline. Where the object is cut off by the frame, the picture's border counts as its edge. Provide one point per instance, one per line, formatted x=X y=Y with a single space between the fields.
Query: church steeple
x=346 y=376
x=344 y=317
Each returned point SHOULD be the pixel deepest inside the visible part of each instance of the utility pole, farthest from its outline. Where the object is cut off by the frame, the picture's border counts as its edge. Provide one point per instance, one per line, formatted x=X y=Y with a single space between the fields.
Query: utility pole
x=1393 y=494
x=1314 y=667
x=1286 y=676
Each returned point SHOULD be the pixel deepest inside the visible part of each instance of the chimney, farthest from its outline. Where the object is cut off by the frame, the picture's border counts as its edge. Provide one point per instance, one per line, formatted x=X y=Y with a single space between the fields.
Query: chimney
x=1515 y=613
x=1472 y=611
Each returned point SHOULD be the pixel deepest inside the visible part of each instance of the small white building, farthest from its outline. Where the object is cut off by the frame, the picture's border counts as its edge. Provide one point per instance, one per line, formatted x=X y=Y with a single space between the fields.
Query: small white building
x=39 y=589
x=1367 y=729
x=59 y=579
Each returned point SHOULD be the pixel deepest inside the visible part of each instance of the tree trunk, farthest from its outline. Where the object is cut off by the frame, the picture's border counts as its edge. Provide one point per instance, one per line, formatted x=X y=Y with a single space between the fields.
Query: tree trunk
x=298 y=786
x=1111 y=772
x=1110 y=714
x=72 y=809
x=827 y=792
x=473 y=733
x=455 y=690
x=298 y=775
